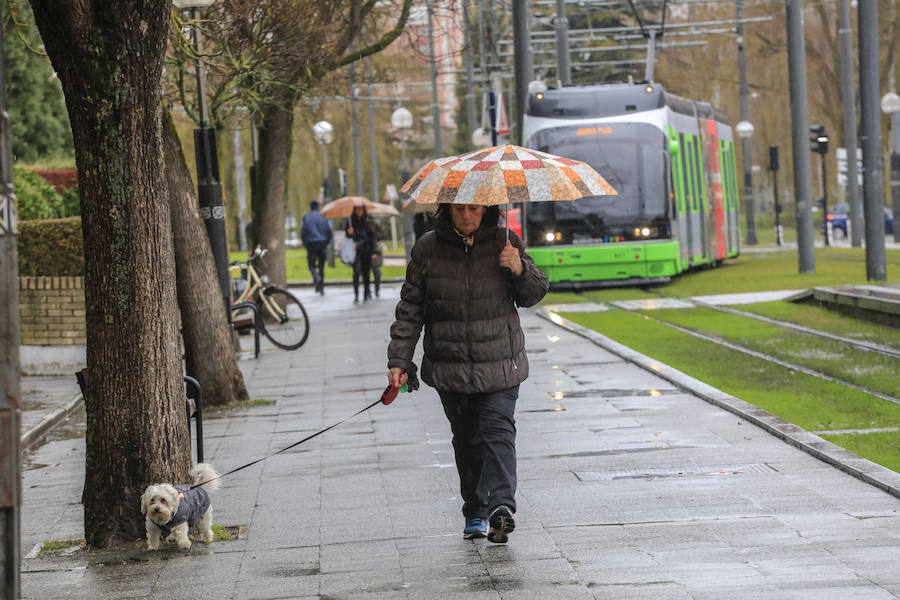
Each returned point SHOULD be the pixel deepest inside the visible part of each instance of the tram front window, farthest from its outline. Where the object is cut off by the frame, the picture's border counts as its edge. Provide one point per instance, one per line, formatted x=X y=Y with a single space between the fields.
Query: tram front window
x=630 y=157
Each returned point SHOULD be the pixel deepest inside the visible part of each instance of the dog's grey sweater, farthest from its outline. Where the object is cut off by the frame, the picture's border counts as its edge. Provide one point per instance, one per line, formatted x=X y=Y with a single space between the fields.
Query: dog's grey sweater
x=192 y=505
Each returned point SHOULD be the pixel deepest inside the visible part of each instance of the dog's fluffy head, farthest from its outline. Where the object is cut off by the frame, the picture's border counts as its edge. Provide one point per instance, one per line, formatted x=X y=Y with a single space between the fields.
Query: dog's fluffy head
x=160 y=503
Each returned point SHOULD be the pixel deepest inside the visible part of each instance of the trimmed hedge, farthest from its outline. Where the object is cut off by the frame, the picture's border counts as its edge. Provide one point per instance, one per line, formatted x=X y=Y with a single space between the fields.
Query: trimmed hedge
x=51 y=247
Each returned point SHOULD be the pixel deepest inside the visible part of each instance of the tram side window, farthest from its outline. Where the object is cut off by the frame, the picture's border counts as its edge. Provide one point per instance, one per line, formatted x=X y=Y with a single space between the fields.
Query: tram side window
x=695 y=184
x=698 y=177
x=730 y=186
x=726 y=174
x=686 y=186
x=675 y=179
x=735 y=203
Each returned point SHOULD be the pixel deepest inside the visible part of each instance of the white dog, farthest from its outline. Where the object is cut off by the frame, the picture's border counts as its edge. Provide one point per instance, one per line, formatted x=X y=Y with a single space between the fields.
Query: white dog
x=173 y=510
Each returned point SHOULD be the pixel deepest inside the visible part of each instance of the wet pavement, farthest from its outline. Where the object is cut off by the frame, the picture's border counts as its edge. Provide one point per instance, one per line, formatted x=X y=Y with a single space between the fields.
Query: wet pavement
x=633 y=483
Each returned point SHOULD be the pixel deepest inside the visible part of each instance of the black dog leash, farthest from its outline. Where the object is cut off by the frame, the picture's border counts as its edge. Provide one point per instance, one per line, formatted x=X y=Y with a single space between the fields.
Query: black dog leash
x=390 y=392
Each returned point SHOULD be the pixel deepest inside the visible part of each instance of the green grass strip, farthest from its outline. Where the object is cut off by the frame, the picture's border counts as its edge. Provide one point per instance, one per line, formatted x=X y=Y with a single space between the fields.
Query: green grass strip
x=880 y=447
x=829 y=321
x=807 y=401
x=861 y=367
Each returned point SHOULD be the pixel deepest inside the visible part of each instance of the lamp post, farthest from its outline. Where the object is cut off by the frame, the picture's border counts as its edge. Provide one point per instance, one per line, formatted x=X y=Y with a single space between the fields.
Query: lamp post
x=209 y=188
x=890 y=104
x=324 y=134
x=744 y=130
x=401 y=123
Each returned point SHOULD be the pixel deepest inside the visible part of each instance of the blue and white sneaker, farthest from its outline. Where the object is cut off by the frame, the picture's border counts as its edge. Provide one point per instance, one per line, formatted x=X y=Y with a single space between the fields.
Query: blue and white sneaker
x=476 y=527
x=502 y=524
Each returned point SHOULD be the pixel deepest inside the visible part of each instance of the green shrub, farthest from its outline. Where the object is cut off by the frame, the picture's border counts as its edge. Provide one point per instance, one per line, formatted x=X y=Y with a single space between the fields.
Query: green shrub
x=51 y=247
x=35 y=197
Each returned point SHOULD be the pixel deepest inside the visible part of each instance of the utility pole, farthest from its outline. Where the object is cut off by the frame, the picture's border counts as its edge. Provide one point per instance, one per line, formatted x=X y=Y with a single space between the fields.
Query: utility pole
x=799 y=123
x=848 y=117
x=563 y=68
x=870 y=130
x=746 y=146
x=435 y=107
x=10 y=475
x=523 y=68
x=241 y=185
x=372 y=150
x=470 y=75
x=354 y=118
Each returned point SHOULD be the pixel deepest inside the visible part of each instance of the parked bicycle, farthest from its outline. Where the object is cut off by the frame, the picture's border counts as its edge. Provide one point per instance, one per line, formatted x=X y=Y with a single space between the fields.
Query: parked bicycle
x=282 y=318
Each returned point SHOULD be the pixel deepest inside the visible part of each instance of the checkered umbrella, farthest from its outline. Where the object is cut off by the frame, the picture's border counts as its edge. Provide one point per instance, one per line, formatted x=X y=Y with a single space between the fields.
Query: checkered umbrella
x=504 y=174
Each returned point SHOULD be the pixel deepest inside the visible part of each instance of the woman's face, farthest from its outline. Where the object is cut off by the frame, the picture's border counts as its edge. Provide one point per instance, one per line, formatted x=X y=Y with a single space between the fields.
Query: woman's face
x=359 y=211
x=466 y=217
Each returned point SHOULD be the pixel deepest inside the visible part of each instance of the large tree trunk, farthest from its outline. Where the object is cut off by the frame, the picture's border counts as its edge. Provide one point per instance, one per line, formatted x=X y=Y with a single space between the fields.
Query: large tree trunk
x=108 y=55
x=204 y=327
x=271 y=180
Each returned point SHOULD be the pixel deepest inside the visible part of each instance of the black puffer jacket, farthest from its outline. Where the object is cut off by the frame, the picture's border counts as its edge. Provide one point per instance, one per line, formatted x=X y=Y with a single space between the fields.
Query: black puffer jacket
x=473 y=340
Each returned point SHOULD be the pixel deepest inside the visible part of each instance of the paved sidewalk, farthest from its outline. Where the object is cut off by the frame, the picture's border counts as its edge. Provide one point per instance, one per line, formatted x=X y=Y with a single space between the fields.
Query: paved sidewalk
x=628 y=488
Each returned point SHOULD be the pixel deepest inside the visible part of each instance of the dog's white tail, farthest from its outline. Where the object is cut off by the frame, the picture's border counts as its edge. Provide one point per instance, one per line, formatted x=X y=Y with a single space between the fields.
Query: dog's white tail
x=206 y=477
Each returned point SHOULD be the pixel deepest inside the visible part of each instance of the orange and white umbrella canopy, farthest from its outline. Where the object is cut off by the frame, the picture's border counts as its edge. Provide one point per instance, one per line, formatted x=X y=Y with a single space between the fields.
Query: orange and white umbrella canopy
x=503 y=174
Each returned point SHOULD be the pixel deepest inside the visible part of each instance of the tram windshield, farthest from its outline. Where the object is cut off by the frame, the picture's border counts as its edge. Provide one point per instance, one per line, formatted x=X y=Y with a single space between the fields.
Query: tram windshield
x=630 y=157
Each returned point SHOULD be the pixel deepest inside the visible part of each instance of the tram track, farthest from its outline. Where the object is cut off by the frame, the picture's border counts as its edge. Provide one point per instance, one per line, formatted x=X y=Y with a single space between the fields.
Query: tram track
x=868 y=346
x=768 y=357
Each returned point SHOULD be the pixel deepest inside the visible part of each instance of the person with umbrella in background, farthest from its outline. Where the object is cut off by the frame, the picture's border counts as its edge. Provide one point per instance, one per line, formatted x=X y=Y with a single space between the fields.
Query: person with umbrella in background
x=316 y=234
x=364 y=233
x=464 y=282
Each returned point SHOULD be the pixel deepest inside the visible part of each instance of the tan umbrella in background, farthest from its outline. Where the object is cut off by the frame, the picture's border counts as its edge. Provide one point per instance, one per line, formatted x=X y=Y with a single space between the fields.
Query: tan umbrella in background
x=504 y=174
x=343 y=207
x=380 y=209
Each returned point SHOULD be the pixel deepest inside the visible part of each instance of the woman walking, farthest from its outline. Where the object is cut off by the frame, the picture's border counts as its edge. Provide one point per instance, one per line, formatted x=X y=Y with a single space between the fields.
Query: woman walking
x=463 y=284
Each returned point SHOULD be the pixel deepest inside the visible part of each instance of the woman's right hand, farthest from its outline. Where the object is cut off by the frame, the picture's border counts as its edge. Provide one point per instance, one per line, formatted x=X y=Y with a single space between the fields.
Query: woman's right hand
x=397 y=376
x=349 y=230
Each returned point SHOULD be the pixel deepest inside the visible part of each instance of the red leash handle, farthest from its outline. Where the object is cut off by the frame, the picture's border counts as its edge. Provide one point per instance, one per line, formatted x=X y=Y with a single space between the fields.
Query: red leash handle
x=390 y=392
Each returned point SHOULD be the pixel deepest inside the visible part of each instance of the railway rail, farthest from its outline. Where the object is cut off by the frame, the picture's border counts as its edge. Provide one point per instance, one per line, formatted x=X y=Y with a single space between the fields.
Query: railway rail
x=866 y=346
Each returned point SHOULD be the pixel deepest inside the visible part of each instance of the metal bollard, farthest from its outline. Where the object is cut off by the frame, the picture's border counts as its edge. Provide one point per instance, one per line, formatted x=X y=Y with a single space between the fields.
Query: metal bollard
x=197 y=412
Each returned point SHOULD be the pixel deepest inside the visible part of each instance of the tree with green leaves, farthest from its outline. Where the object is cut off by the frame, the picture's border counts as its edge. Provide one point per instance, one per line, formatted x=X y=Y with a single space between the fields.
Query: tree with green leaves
x=265 y=56
x=39 y=124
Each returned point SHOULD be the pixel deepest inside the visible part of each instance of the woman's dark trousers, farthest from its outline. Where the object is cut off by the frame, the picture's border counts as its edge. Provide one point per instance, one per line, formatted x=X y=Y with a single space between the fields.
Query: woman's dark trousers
x=361 y=269
x=484 y=442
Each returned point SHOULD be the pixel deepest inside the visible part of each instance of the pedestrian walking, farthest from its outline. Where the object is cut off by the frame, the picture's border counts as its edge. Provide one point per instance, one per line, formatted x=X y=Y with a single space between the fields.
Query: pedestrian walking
x=363 y=231
x=463 y=284
x=316 y=234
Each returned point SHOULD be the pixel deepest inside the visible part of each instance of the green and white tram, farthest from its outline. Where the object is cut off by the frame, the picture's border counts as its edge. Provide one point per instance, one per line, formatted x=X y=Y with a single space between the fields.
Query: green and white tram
x=672 y=162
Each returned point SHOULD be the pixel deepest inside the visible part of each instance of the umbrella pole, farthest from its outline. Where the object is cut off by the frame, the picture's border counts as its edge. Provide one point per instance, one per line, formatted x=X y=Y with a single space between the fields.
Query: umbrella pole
x=507 y=222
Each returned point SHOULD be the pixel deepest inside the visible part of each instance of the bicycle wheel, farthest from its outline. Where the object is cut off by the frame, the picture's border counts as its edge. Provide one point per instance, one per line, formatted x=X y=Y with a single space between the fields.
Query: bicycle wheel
x=284 y=319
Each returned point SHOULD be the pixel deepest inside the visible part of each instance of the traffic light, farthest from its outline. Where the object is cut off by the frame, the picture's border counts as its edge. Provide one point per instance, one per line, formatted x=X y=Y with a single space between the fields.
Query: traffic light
x=773 y=158
x=818 y=141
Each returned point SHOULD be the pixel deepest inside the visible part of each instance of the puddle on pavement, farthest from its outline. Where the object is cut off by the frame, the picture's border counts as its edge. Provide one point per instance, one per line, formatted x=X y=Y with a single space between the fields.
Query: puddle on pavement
x=615 y=451
x=361 y=375
x=612 y=393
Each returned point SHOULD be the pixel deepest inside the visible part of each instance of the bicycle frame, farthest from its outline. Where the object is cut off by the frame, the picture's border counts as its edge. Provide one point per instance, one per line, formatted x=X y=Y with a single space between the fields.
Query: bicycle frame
x=255 y=285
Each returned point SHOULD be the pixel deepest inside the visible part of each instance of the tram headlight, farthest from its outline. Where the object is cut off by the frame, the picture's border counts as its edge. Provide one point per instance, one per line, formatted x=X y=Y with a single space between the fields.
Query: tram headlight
x=644 y=232
x=553 y=236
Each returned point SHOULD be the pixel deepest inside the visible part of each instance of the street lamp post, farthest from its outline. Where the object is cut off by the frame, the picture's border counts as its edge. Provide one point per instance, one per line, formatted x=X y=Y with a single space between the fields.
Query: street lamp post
x=744 y=130
x=402 y=122
x=890 y=104
x=324 y=134
x=209 y=188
